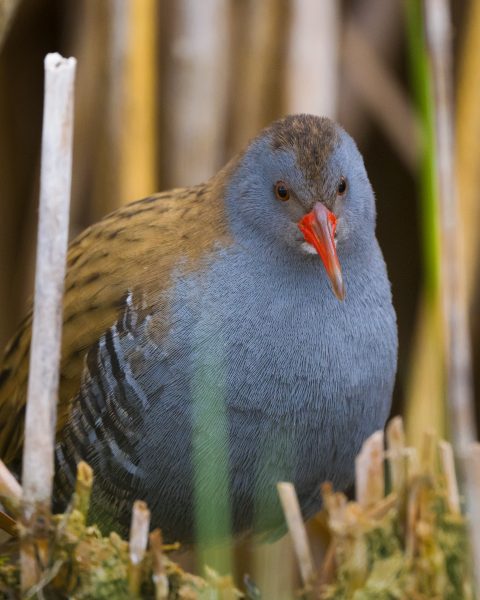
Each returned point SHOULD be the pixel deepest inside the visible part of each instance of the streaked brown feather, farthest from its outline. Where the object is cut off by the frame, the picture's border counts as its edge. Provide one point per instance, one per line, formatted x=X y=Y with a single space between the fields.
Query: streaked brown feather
x=133 y=249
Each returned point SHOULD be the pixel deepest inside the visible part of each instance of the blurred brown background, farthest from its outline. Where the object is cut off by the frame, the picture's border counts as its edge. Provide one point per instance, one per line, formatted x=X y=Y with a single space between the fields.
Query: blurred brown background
x=168 y=90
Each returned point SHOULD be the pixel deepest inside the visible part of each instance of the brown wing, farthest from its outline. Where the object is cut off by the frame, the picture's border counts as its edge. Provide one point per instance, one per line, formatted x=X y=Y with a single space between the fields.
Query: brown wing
x=133 y=249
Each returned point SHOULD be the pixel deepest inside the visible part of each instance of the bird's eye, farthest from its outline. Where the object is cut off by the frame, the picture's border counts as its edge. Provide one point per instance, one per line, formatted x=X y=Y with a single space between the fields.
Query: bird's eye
x=281 y=191
x=342 y=186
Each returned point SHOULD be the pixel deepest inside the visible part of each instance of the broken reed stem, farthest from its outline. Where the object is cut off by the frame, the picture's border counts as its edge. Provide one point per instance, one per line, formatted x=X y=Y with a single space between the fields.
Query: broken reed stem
x=137 y=544
x=448 y=469
x=83 y=488
x=458 y=353
x=55 y=183
x=396 y=458
x=10 y=490
x=296 y=527
x=369 y=471
x=160 y=578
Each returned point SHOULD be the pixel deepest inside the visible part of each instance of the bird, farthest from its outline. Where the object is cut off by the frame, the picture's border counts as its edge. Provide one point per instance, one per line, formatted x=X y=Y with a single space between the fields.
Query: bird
x=220 y=338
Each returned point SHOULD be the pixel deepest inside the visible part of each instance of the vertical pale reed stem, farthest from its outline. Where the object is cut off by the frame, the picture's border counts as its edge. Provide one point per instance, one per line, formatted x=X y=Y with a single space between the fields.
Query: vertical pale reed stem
x=298 y=533
x=460 y=394
x=312 y=57
x=197 y=90
x=138 y=544
x=43 y=378
x=472 y=473
x=369 y=471
x=458 y=357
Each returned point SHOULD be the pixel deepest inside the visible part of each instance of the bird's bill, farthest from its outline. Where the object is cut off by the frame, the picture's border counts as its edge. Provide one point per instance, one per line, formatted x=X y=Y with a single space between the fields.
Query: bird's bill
x=318 y=228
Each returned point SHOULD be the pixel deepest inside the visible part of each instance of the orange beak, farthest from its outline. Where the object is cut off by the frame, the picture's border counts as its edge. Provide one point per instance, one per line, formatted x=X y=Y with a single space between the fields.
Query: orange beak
x=318 y=228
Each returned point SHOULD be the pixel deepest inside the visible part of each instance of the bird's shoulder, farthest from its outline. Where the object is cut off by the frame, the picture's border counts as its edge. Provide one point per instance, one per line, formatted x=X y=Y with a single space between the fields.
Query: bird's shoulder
x=132 y=250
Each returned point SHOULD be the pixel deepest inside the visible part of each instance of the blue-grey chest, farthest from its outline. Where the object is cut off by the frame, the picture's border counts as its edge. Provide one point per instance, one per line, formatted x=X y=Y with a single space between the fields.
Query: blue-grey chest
x=268 y=337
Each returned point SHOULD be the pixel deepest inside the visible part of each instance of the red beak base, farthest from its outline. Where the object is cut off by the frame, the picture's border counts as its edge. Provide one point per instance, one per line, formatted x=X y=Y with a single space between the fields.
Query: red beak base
x=318 y=228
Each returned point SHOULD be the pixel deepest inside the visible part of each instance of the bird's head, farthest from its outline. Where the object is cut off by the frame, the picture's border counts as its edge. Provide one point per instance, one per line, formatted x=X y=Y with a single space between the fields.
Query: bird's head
x=301 y=186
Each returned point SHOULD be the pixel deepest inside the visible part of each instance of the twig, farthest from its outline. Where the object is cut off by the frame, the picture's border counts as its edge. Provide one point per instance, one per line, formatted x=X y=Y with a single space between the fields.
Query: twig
x=160 y=578
x=138 y=544
x=296 y=527
x=448 y=470
x=369 y=472
x=55 y=182
x=312 y=63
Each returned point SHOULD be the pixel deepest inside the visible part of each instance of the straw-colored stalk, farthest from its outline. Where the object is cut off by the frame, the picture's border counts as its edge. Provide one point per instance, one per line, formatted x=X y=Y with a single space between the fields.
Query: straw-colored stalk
x=380 y=93
x=312 y=60
x=458 y=354
x=298 y=533
x=160 y=578
x=11 y=496
x=83 y=488
x=425 y=383
x=396 y=447
x=197 y=90
x=7 y=10
x=138 y=544
x=369 y=472
x=130 y=152
x=472 y=473
x=251 y=96
x=55 y=183
x=468 y=146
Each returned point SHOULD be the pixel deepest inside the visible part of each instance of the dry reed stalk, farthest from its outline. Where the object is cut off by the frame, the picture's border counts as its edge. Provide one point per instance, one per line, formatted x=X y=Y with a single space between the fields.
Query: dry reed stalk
x=55 y=183
x=197 y=90
x=460 y=393
x=447 y=464
x=83 y=488
x=455 y=305
x=251 y=100
x=138 y=132
x=11 y=497
x=382 y=96
x=472 y=474
x=7 y=10
x=138 y=544
x=396 y=446
x=312 y=61
x=266 y=558
x=9 y=486
x=468 y=144
x=428 y=452
x=160 y=578
x=383 y=22
x=296 y=527
x=369 y=472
